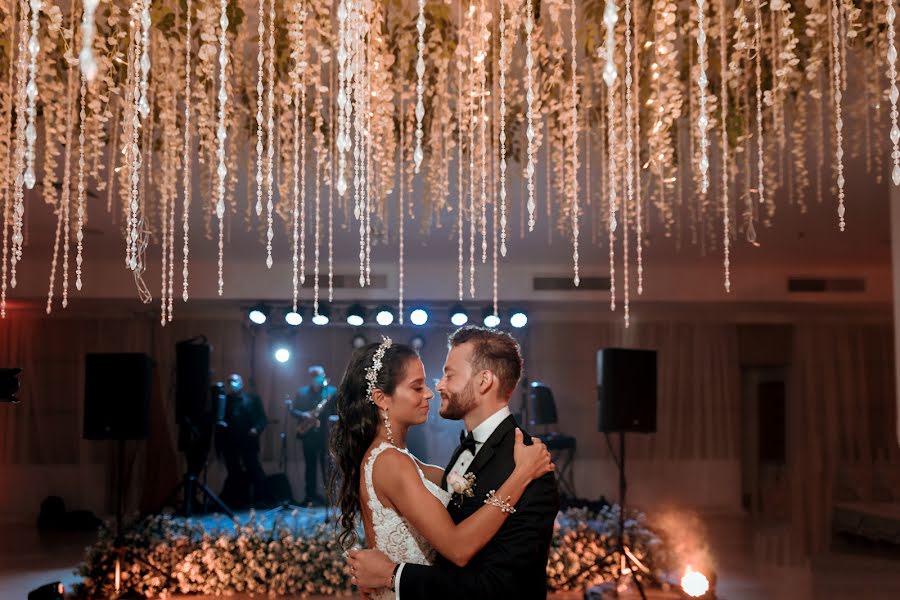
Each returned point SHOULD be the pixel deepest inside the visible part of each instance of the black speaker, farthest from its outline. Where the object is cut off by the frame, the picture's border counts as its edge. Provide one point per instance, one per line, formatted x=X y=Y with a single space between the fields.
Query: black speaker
x=192 y=384
x=117 y=396
x=541 y=406
x=626 y=390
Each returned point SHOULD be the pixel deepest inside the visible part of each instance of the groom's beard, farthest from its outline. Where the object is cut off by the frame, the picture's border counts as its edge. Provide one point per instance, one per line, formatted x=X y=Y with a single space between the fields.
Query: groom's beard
x=459 y=404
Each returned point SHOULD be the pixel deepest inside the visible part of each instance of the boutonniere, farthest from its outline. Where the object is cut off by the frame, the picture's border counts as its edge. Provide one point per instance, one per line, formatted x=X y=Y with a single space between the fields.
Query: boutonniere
x=462 y=486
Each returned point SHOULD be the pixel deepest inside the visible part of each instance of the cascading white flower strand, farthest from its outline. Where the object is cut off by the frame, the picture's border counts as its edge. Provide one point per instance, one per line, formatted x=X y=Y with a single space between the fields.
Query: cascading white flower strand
x=838 y=119
x=890 y=16
x=726 y=215
x=502 y=69
x=758 y=49
x=260 y=95
x=529 y=98
x=418 y=154
x=186 y=158
x=270 y=137
x=34 y=47
x=86 y=56
x=702 y=82
x=342 y=99
x=574 y=200
x=222 y=170
x=610 y=16
x=18 y=210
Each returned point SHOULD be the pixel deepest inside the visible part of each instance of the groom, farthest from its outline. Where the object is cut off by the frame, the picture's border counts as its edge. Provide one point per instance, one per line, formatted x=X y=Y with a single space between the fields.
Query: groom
x=481 y=372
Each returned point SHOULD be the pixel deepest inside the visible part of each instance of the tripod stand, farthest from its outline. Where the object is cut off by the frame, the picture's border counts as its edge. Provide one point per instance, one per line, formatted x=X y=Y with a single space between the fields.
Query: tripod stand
x=621 y=554
x=283 y=483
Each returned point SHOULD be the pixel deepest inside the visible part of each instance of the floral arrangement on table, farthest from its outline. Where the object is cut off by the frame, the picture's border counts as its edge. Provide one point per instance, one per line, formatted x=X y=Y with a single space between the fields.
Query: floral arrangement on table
x=164 y=554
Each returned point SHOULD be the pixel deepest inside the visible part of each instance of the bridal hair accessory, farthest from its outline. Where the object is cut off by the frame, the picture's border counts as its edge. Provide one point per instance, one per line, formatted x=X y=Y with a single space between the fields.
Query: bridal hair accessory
x=503 y=505
x=372 y=371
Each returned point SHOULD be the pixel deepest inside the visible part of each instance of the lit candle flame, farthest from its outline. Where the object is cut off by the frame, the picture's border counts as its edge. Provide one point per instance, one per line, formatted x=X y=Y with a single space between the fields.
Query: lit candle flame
x=694 y=583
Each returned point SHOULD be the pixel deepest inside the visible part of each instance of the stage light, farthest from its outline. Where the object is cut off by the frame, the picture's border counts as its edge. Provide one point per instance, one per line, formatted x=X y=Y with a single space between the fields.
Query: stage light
x=694 y=583
x=356 y=315
x=323 y=317
x=293 y=318
x=419 y=316
x=489 y=318
x=417 y=343
x=282 y=354
x=258 y=314
x=518 y=319
x=458 y=315
x=385 y=316
x=359 y=340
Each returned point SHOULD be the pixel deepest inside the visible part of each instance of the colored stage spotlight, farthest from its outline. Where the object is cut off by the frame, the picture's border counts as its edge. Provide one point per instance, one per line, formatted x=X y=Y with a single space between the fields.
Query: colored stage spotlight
x=384 y=316
x=518 y=319
x=356 y=315
x=459 y=316
x=419 y=316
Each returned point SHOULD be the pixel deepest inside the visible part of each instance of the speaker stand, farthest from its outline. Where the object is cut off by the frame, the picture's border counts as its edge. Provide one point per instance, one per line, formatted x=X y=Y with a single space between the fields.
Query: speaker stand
x=621 y=554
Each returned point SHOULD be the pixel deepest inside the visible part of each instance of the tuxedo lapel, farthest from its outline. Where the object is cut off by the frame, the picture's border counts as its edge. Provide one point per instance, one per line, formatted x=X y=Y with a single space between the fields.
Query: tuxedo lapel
x=486 y=453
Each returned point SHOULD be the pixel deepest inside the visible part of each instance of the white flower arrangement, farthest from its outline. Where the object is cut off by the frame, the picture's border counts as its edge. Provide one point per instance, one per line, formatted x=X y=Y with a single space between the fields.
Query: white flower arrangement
x=462 y=486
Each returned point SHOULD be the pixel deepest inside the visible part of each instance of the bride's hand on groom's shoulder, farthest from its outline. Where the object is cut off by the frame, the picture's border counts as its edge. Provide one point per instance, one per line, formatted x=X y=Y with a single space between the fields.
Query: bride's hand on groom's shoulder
x=532 y=461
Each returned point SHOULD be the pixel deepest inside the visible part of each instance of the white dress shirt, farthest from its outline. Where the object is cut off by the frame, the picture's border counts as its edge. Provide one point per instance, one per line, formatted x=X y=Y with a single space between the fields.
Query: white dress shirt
x=481 y=434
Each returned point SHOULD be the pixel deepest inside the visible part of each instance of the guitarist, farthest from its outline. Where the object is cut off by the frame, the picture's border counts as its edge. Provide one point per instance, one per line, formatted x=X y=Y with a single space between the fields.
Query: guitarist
x=312 y=406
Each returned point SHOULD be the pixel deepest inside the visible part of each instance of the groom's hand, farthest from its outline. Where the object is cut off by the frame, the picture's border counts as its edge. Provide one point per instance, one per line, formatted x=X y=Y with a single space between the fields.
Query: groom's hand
x=370 y=568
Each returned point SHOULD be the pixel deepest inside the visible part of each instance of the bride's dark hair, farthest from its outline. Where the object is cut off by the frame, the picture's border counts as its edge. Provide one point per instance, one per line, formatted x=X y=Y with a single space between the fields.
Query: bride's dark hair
x=357 y=426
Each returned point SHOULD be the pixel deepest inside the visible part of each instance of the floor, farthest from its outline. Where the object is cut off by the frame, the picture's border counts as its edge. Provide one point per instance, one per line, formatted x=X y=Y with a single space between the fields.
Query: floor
x=29 y=560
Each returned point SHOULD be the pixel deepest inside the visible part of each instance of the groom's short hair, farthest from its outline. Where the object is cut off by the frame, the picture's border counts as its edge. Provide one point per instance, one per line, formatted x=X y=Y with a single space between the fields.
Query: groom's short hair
x=492 y=350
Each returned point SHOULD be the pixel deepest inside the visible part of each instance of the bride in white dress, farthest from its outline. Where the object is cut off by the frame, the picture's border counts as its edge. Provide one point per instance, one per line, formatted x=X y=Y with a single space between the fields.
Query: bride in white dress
x=400 y=499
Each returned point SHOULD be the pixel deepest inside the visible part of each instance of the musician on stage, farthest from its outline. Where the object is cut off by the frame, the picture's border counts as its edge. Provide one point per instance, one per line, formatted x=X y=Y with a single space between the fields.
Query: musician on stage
x=238 y=441
x=313 y=404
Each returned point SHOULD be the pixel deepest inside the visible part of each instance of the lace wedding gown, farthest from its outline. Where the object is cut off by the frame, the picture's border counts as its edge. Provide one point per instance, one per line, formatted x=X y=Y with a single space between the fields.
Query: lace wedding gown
x=393 y=534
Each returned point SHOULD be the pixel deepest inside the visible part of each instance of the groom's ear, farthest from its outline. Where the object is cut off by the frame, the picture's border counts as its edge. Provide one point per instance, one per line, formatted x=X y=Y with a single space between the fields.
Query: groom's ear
x=486 y=380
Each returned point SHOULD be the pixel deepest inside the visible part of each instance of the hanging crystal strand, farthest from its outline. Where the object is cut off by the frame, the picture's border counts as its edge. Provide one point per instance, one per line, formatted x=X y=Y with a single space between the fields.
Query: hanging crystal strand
x=634 y=65
x=18 y=210
x=34 y=47
x=460 y=190
x=62 y=209
x=890 y=15
x=303 y=180
x=471 y=123
x=757 y=48
x=702 y=118
x=723 y=61
x=86 y=56
x=401 y=206
x=610 y=16
x=342 y=99
x=626 y=285
x=357 y=162
x=317 y=211
x=6 y=131
x=135 y=154
x=481 y=59
x=502 y=69
x=295 y=207
x=186 y=159
x=222 y=170
x=574 y=200
x=529 y=97
x=164 y=242
x=333 y=150
x=79 y=233
x=838 y=120
x=260 y=94
x=420 y=88
x=172 y=201
x=270 y=137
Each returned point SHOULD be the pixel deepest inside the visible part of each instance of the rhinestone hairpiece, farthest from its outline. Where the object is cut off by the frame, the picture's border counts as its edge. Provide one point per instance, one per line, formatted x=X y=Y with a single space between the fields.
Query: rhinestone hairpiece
x=372 y=371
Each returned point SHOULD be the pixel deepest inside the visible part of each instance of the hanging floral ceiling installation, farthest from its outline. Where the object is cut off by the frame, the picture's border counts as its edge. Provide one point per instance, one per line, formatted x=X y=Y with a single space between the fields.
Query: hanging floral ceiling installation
x=365 y=112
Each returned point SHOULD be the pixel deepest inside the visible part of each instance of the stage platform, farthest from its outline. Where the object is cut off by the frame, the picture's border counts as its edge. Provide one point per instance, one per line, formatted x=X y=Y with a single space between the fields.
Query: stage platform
x=873 y=521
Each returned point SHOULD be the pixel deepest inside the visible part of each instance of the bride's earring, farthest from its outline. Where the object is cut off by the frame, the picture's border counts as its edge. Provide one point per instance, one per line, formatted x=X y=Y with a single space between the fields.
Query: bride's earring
x=387 y=426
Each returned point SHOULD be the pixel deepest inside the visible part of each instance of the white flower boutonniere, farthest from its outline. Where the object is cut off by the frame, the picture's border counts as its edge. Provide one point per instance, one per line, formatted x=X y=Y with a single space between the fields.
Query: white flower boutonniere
x=462 y=486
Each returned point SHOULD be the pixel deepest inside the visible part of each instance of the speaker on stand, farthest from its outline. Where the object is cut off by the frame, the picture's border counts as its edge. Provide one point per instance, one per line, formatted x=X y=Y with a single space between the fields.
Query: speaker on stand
x=626 y=402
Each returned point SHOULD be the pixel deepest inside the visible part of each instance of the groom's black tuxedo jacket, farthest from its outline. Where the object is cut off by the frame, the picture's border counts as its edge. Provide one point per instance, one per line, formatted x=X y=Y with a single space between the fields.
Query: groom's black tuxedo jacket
x=514 y=563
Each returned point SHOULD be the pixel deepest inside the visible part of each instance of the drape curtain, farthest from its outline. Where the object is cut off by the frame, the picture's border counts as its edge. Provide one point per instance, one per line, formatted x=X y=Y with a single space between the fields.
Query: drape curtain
x=841 y=415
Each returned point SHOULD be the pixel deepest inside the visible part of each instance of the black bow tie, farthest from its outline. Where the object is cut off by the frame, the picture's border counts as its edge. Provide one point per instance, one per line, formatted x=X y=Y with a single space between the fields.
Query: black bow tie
x=467 y=442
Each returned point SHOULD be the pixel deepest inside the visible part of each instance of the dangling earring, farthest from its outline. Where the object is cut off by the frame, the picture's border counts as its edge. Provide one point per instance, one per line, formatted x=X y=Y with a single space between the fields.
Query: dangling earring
x=387 y=427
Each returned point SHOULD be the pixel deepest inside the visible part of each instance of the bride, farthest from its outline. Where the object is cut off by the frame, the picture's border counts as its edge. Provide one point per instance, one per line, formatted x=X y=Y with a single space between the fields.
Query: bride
x=400 y=499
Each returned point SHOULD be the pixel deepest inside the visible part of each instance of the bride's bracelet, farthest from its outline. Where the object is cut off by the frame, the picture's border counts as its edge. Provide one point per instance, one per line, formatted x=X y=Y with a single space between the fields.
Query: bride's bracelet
x=503 y=505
